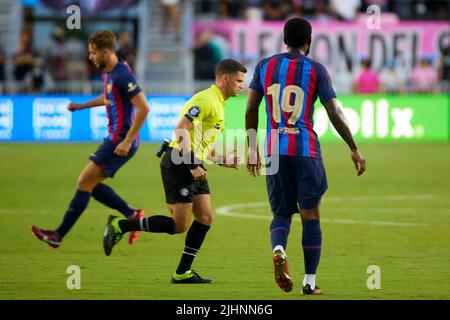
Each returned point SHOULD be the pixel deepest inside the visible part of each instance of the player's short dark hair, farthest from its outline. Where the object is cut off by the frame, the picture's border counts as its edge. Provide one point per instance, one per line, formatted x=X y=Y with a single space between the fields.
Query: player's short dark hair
x=297 y=32
x=229 y=66
x=103 y=39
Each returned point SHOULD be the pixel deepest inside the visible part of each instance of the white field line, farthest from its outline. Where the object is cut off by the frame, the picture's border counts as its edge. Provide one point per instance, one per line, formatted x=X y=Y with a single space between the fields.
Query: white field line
x=234 y=210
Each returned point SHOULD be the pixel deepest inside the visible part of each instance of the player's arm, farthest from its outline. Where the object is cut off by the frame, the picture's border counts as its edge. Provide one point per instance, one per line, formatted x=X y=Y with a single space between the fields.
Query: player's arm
x=99 y=101
x=183 y=138
x=251 y=126
x=339 y=122
x=139 y=101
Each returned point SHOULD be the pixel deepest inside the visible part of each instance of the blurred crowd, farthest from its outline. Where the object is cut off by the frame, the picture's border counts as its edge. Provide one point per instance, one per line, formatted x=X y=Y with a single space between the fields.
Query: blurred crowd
x=322 y=10
x=423 y=78
x=63 y=58
x=427 y=76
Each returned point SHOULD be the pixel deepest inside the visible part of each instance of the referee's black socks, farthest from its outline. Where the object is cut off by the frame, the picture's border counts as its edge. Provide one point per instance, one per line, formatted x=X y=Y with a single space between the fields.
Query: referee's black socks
x=194 y=240
x=157 y=224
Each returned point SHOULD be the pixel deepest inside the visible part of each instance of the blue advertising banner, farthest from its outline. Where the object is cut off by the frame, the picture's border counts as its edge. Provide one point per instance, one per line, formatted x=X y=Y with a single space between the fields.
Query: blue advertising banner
x=374 y=118
x=46 y=118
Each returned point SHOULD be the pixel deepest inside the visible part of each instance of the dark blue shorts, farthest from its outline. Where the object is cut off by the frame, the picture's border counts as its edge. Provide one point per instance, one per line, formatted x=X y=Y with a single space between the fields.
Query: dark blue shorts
x=299 y=181
x=105 y=158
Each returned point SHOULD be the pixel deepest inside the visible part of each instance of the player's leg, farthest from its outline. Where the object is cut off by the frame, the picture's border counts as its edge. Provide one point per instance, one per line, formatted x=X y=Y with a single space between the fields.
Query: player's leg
x=178 y=188
x=179 y=192
x=282 y=196
x=110 y=164
x=88 y=179
x=116 y=227
x=196 y=234
x=108 y=197
x=177 y=223
x=279 y=233
x=312 y=185
x=91 y=176
x=312 y=247
x=203 y=214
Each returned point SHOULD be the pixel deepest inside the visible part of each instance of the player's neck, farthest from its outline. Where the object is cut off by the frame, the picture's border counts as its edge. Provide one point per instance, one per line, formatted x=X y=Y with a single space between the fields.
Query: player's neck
x=296 y=51
x=111 y=63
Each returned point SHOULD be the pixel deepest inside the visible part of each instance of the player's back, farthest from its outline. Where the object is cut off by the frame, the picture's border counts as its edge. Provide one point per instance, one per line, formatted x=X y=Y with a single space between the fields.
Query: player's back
x=291 y=84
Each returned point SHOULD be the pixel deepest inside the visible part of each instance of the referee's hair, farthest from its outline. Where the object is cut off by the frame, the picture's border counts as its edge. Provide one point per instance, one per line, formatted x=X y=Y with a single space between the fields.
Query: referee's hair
x=229 y=66
x=103 y=39
x=297 y=32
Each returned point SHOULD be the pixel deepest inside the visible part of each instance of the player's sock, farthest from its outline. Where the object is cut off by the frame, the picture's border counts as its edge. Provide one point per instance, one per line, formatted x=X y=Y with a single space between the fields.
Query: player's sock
x=106 y=195
x=310 y=279
x=157 y=224
x=312 y=246
x=193 y=242
x=279 y=248
x=76 y=208
x=279 y=231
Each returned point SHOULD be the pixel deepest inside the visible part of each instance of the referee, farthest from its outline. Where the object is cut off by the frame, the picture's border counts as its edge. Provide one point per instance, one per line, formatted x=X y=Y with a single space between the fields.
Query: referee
x=183 y=174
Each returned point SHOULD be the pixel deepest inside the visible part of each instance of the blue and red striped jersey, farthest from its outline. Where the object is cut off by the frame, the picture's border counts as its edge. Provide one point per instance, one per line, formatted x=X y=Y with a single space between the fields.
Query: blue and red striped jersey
x=291 y=85
x=120 y=86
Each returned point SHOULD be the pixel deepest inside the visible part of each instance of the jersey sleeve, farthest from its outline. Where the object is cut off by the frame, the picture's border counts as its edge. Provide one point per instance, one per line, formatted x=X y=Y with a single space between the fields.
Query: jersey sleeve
x=127 y=84
x=256 y=81
x=325 y=89
x=197 y=110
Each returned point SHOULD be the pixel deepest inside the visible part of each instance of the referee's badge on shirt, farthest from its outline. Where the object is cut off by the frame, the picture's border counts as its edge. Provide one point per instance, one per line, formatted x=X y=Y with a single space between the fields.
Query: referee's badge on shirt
x=194 y=111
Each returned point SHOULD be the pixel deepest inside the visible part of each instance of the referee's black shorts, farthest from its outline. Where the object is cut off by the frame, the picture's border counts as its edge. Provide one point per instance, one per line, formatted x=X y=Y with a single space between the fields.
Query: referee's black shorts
x=179 y=184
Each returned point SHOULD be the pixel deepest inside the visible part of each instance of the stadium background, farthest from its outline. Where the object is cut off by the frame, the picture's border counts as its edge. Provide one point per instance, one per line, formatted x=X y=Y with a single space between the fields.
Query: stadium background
x=396 y=216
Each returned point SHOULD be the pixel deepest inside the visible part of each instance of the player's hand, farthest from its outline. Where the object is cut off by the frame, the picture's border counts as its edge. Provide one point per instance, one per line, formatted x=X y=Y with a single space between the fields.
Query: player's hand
x=253 y=162
x=74 y=106
x=123 y=148
x=359 y=161
x=199 y=173
x=232 y=161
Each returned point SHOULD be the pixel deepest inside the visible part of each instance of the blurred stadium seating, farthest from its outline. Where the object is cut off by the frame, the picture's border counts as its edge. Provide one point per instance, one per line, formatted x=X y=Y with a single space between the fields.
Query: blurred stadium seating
x=39 y=54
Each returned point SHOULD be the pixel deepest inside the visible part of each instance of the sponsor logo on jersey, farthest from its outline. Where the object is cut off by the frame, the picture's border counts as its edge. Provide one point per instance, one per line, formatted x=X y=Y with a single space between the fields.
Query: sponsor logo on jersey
x=132 y=86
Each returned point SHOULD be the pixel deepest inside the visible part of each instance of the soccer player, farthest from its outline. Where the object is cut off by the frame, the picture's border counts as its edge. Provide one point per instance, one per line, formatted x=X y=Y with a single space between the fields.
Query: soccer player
x=290 y=83
x=121 y=93
x=183 y=174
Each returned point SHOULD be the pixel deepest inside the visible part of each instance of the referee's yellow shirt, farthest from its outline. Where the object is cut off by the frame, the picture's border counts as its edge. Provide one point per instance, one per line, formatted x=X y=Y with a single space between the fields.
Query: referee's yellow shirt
x=206 y=111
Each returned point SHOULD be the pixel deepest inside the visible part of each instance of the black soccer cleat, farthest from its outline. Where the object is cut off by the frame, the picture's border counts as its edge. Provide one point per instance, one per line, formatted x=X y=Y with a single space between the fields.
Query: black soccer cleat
x=308 y=291
x=189 y=276
x=112 y=234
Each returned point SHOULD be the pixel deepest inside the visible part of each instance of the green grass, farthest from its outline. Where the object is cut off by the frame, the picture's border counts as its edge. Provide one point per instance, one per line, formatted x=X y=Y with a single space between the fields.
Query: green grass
x=37 y=181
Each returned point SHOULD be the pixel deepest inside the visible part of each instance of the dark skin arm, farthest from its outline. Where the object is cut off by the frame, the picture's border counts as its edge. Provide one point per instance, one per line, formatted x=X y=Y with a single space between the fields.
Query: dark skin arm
x=251 y=126
x=339 y=122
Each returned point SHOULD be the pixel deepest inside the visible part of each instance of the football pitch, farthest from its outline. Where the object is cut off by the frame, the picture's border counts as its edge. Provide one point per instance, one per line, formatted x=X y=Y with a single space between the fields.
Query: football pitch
x=396 y=217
